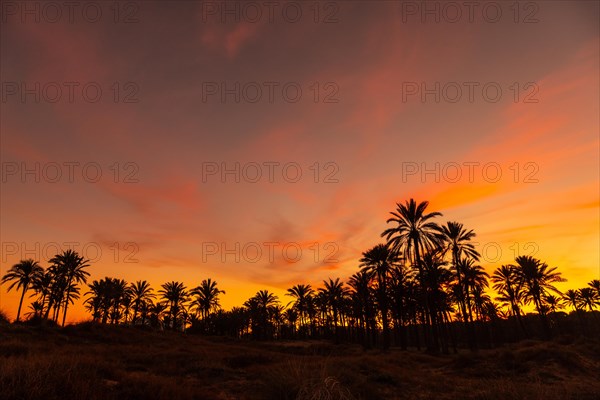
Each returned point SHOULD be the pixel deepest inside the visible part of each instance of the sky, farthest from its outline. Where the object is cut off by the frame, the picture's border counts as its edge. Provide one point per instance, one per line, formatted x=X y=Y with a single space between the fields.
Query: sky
x=265 y=145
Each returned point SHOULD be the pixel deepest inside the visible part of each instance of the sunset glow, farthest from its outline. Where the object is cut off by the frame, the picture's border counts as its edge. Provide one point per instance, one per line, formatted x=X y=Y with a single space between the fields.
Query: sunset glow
x=270 y=153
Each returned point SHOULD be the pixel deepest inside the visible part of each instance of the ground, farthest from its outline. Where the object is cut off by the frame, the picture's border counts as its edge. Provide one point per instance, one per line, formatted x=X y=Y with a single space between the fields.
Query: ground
x=101 y=362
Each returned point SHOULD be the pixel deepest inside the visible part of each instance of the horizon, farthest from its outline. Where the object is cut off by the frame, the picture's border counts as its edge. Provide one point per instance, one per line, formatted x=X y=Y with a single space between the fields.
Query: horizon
x=150 y=137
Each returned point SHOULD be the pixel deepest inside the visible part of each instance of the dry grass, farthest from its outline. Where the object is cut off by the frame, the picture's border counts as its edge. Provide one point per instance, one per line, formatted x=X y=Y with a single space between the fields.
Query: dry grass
x=95 y=362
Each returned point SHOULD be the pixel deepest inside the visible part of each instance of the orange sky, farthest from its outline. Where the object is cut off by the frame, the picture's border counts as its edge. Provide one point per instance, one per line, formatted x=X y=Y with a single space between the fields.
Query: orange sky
x=371 y=144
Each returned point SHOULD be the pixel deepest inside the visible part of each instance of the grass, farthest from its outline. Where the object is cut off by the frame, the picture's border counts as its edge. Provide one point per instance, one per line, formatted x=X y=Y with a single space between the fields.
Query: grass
x=101 y=362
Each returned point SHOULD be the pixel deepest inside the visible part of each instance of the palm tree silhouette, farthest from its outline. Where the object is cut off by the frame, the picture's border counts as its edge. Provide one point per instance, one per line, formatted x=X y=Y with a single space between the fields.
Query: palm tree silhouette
x=141 y=292
x=381 y=261
x=72 y=267
x=333 y=294
x=414 y=233
x=537 y=279
x=22 y=275
x=175 y=293
x=457 y=240
x=156 y=313
x=362 y=299
x=552 y=303
x=436 y=278
x=571 y=298
x=206 y=297
x=302 y=294
x=595 y=284
x=260 y=312
x=509 y=288
x=42 y=286
x=587 y=298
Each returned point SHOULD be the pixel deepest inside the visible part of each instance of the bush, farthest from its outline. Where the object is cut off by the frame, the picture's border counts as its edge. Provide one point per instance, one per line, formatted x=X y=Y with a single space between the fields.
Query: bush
x=3 y=317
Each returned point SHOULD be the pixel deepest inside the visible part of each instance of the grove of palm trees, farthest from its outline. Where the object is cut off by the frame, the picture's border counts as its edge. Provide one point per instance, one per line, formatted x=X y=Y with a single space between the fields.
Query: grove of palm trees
x=422 y=290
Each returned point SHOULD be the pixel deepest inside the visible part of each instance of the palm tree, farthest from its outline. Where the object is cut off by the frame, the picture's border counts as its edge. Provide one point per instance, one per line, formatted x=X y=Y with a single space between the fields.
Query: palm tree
x=381 y=261
x=333 y=293
x=400 y=283
x=414 y=233
x=156 y=313
x=120 y=295
x=259 y=307
x=141 y=292
x=475 y=278
x=538 y=280
x=588 y=298
x=595 y=284
x=175 y=293
x=508 y=286
x=456 y=240
x=571 y=298
x=206 y=297
x=72 y=268
x=360 y=283
x=36 y=310
x=552 y=303
x=436 y=278
x=266 y=299
x=94 y=303
x=301 y=293
x=42 y=286
x=22 y=275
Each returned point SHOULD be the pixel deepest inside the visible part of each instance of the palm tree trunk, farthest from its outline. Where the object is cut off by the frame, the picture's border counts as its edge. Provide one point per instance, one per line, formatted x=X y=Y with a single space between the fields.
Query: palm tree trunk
x=422 y=284
x=66 y=305
x=21 y=303
x=384 y=312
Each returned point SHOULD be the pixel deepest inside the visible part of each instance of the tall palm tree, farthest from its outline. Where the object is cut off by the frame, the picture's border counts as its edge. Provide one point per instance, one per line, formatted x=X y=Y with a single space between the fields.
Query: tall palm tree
x=436 y=278
x=381 y=261
x=259 y=308
x=120 y=295
x=509 y=288
x=457 y=240
x=400 y=283
x=175 y=293
x=474 y=278
x=301 y=293
x=73 y=270
x=206 y=297
x=414 y=233
x=334 y=293
x=42 y=286
x=22 y=275
x=141 y=292
x=538 y=280
x=360 y=284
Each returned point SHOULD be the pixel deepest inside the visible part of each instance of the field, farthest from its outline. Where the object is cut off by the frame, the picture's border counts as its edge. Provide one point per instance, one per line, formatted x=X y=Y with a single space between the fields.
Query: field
x=90 y=362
